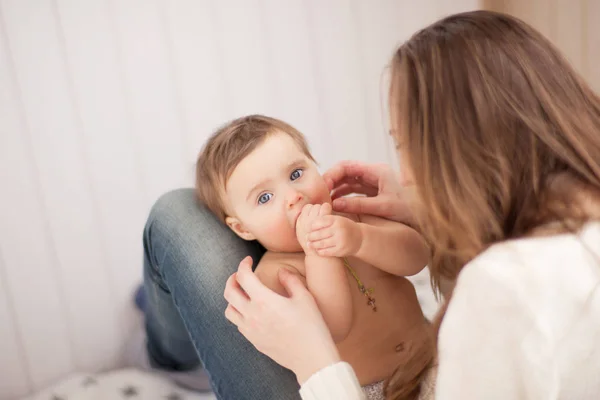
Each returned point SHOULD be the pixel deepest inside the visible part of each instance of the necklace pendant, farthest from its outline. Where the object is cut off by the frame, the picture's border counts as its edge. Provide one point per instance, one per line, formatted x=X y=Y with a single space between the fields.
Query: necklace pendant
x=361 y=287
x=371 y=303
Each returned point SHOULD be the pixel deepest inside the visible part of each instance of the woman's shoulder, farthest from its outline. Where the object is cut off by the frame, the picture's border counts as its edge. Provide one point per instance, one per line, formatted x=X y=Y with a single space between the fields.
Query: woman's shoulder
x=546 y=280
x=530 y=301
x=547 y=255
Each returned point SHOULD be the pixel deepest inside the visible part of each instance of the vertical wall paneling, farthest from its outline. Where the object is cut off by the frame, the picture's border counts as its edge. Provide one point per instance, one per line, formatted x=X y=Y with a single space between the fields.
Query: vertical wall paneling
x=571 y=25
x=198 y=70
x=294 y=76
x=15 y=380
x=71 y=204
x=149 y=83
x=537 y=13
x=543 y=16
x=374 y=138
x=333 y=37
x=114 y=165
x=245 y=61
x=569 y=32
x=445 y=8
x=592 y=50
x=380 y=35
x=29 y=250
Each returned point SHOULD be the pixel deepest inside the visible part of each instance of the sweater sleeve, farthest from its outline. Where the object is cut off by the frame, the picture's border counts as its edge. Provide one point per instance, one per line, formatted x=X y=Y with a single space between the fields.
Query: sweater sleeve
x=337 y=381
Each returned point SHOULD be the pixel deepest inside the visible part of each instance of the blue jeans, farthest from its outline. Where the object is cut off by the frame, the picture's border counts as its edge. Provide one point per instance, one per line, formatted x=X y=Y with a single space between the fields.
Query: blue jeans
x=188 y=256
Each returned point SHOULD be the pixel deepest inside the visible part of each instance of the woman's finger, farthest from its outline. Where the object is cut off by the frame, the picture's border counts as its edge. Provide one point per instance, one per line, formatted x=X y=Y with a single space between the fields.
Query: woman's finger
x=359 y=205
x=235 y=296
x=250 y=283
x=354 y=180
x=320 y=235
x=292 y=284
x=287 y=329
x=356 y=188
x=367 y=173
x=347 y=169
x=335 y=174
x=343 y=190
x=233 y=315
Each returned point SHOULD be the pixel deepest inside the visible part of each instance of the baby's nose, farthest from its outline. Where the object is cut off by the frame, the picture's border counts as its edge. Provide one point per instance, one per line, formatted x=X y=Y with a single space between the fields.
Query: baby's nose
x=295 y=198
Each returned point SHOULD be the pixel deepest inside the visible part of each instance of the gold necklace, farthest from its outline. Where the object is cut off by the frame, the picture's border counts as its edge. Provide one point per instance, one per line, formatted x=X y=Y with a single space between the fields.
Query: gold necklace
x=368 y=292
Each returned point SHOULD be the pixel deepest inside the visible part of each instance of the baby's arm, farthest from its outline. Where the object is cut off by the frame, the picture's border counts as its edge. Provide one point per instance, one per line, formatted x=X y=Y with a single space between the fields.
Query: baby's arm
x=391 y=246
x=327 y=281
x=326 y=278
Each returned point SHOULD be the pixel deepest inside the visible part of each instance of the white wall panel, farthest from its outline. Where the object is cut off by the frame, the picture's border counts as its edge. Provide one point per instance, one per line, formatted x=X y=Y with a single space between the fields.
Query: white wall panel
x=35 y=302
x=13 y=369
x=71 y=205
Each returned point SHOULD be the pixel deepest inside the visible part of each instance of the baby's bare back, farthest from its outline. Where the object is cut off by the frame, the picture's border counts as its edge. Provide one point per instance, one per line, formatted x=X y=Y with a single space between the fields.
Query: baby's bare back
x=378 y=340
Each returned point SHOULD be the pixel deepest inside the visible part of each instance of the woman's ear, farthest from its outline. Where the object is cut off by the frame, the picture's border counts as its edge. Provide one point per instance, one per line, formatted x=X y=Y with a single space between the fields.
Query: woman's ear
x=235 y=225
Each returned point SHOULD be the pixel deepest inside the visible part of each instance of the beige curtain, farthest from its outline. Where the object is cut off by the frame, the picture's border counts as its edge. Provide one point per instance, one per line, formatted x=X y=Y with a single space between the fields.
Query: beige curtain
x=573 y=25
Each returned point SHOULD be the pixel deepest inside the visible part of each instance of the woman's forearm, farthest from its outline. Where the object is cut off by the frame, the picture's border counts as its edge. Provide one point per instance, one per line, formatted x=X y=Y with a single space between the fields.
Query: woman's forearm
x=336 y=381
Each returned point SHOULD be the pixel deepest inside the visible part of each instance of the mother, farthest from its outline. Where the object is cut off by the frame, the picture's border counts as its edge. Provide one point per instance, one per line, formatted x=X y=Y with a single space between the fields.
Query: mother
x=502 y=141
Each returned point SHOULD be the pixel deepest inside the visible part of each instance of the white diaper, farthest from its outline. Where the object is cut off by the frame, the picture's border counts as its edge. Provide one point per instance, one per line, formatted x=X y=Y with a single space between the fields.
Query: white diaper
x=374 y=391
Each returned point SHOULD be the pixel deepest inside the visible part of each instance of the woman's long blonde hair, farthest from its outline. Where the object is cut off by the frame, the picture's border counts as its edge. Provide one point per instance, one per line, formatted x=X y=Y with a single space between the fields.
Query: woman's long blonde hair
x=502 y=137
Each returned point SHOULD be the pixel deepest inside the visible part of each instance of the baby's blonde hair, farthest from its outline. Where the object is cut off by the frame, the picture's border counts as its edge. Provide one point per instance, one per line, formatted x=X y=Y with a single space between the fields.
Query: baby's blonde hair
x=227 y=147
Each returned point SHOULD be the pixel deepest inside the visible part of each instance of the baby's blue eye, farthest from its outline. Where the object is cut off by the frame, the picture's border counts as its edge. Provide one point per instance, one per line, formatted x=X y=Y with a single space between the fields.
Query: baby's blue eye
x=265 y=197
x=297 y=173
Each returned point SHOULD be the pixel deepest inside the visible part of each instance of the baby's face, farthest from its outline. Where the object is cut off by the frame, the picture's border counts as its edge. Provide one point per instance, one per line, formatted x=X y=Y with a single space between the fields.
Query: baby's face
x=267 y=191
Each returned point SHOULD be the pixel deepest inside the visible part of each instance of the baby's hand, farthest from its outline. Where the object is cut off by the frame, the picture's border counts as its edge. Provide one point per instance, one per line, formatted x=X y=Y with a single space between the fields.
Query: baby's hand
x=335 y=236
x=309 y=214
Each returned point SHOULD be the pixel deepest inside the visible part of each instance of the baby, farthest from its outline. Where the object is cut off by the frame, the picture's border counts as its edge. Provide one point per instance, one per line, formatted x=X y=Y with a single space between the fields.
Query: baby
x=257 y=175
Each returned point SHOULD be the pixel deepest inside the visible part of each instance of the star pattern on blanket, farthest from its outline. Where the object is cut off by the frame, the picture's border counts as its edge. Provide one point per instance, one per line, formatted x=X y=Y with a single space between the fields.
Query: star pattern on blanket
x=131 y=385
x=129 y=391
x=89 y=381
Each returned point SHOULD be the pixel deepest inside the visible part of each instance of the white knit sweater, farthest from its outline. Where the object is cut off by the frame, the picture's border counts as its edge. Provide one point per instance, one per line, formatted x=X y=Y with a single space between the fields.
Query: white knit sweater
x=523 y=323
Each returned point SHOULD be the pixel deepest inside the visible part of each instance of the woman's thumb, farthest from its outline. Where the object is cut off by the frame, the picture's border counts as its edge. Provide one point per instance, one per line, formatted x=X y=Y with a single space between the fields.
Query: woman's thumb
x=291 y=282
x=357 y=205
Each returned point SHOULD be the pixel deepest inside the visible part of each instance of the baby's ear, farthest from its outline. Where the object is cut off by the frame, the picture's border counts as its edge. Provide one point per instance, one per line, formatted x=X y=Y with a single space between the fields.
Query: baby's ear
x=235 y=225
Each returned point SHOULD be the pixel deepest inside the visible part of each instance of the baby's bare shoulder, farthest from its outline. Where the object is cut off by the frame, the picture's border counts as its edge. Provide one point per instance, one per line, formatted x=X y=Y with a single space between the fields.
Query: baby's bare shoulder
x=270 y=264
x=273 y=260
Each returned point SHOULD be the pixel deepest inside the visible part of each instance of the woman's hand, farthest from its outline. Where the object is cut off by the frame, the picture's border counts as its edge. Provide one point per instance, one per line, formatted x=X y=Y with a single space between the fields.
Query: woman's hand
x=290 y=330
x=385 y=196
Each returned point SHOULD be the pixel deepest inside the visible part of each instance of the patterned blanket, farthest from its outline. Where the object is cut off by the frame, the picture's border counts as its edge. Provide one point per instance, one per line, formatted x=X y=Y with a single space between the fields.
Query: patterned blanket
x=125 y=384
